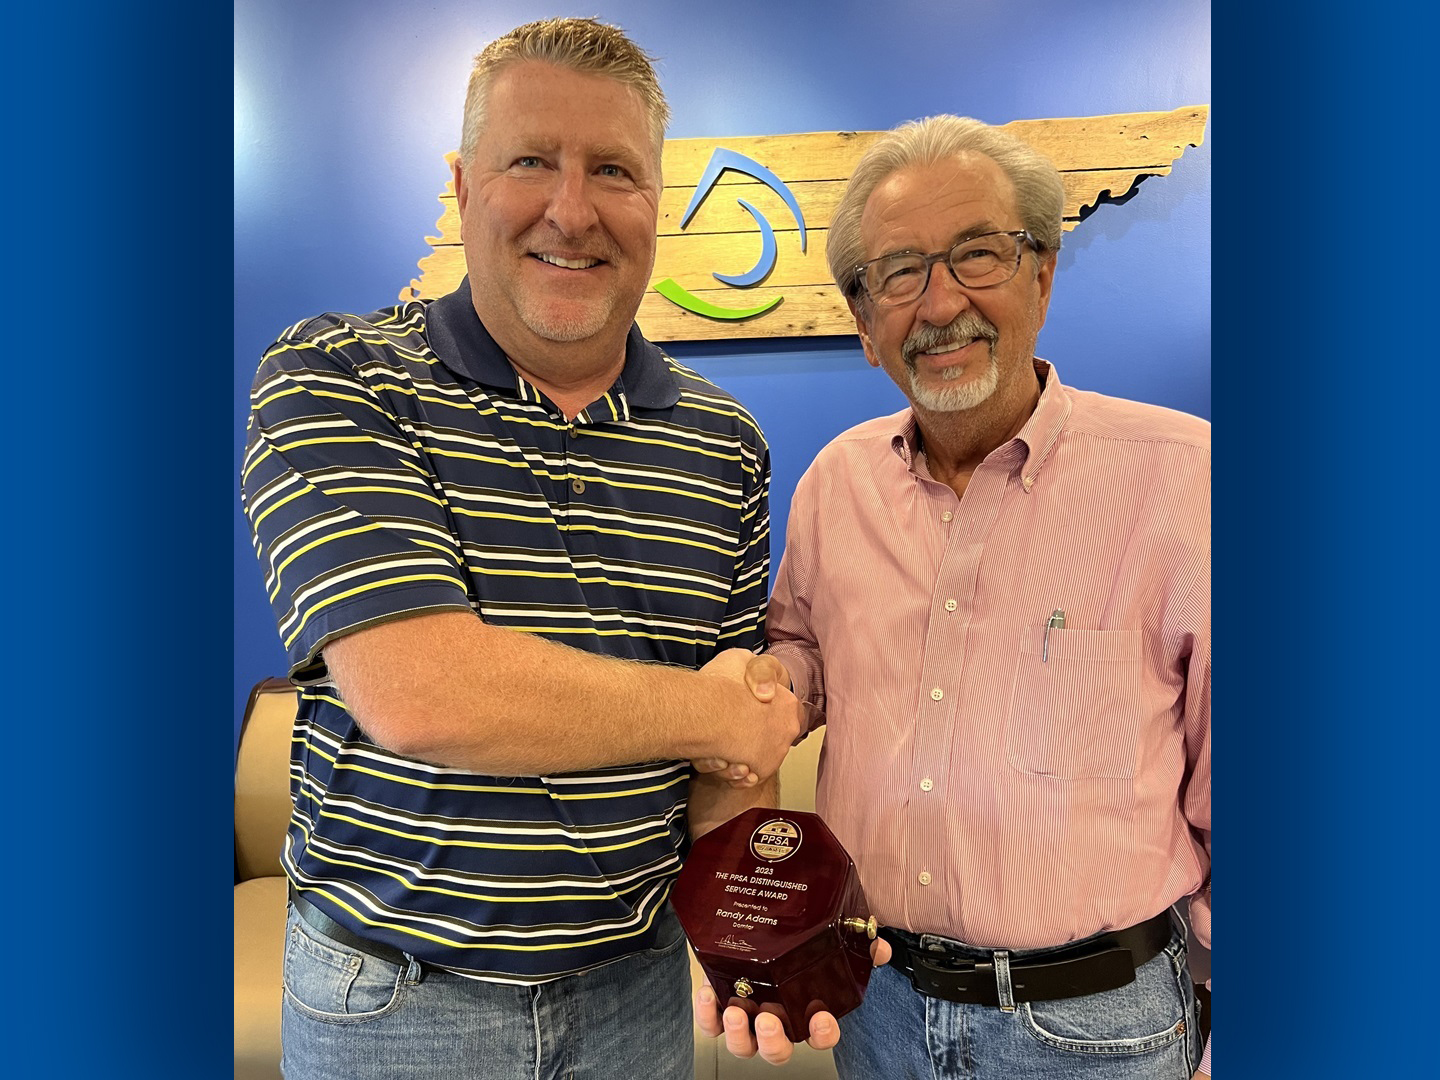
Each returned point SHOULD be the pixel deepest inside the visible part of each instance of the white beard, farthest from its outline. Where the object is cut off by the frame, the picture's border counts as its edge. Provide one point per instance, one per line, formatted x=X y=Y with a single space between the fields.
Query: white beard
x=966 y=395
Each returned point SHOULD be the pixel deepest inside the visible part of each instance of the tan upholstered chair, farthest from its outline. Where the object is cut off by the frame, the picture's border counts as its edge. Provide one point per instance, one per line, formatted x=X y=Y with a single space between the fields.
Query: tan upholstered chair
x=262 y=811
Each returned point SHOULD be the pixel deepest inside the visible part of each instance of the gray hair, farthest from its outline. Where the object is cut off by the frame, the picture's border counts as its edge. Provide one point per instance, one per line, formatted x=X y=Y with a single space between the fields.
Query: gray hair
x=584 y=45
x=1039 y=194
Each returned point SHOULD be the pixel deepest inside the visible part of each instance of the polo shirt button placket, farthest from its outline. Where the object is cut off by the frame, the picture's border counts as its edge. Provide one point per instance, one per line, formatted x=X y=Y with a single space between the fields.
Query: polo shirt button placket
x=573 y=432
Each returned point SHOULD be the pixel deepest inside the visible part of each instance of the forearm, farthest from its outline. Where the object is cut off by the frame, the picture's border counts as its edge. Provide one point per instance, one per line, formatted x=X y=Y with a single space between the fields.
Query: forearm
x=449 y=689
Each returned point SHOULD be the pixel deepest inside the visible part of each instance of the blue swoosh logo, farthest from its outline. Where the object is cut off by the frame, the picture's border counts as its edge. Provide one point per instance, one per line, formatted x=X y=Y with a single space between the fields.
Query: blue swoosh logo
x=720 y=160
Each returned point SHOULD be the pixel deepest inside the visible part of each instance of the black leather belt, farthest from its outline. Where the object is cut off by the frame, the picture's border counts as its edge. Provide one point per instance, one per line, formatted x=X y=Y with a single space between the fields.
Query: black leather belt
x=1103 y=962
x=318 y=920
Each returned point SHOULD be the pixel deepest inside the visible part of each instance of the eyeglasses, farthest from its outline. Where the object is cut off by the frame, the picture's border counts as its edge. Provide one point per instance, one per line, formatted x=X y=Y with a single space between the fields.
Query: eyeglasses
x=977 y=262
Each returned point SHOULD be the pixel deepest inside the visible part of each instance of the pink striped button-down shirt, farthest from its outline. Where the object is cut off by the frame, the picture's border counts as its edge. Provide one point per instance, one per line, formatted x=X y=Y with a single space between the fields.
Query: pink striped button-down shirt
x=994 y=786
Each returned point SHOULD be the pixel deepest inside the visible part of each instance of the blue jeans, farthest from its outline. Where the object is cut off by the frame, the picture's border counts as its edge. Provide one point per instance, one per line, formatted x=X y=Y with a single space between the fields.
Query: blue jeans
x=1147 y=1029
x=350 y=1016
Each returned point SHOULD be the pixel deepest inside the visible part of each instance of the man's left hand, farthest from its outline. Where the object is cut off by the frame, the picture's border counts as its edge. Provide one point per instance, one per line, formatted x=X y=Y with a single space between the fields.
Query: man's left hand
x=767 y=1036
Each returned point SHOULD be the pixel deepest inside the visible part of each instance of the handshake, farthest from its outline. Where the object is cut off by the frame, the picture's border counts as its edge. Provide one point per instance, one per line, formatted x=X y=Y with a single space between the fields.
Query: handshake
x=754 y=736
x=772 y=719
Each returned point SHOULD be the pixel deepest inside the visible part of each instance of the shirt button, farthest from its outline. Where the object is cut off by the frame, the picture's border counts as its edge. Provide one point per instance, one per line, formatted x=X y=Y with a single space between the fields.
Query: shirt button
x=950 y=605
x=946 y=516
x=924 y=877
x=937 y=693
x=926 y=784
x=1028 y=482
x=577 y=485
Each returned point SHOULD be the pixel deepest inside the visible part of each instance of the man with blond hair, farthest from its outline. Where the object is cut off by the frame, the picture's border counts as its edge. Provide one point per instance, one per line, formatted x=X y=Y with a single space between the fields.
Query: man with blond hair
x=1017 y=749
x=518 y=557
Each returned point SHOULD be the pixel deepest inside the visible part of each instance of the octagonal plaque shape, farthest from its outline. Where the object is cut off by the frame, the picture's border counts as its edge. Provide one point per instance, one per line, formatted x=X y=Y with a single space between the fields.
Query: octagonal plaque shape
x=773 y=907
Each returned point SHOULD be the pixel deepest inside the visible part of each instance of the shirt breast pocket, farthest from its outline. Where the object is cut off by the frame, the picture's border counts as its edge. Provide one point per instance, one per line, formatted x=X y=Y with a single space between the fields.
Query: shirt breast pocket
x=1075 y=709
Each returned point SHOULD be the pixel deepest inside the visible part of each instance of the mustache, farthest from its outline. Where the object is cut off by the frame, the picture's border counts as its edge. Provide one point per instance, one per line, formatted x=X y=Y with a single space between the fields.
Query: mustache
x=964 y=327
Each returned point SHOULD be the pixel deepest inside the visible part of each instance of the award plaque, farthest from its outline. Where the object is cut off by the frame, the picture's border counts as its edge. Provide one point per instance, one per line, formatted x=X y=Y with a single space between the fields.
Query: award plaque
x=772 y=905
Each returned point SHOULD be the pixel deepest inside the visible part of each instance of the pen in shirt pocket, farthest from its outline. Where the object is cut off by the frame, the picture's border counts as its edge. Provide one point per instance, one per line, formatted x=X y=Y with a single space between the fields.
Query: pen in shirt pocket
x=1055 y=622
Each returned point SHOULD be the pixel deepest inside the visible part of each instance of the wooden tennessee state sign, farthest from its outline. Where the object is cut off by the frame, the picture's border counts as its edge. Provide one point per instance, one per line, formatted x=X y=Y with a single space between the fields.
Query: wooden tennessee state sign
x=724 y=198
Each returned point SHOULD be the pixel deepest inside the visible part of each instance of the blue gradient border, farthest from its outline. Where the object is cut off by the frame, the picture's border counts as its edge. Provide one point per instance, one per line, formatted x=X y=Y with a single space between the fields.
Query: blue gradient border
x=118 y=274
x=1325 y=574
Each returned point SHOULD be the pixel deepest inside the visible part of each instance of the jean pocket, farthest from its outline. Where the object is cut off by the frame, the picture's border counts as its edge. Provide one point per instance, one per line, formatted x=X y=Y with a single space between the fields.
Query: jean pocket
x=669 y=935
x=332 y=982
x=1075 y=709
x=1146 y=1015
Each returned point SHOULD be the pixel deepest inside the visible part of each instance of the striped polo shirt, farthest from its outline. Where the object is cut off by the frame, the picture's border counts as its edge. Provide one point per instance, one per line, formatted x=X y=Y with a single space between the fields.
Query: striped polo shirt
x=397 y=464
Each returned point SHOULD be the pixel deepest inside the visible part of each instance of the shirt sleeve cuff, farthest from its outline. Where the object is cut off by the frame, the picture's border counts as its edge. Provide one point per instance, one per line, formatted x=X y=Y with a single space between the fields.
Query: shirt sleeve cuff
x=793 y=667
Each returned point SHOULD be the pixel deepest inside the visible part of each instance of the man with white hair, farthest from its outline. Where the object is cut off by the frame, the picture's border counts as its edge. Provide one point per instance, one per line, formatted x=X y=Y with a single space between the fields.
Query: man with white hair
x=1000 y=599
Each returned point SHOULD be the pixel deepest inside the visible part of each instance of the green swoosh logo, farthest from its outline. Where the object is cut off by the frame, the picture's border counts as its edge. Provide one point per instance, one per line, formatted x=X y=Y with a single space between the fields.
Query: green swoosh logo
x=671 y=290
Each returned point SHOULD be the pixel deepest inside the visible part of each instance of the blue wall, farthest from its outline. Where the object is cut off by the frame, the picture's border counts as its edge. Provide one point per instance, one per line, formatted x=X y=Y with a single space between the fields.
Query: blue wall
x=344 y=110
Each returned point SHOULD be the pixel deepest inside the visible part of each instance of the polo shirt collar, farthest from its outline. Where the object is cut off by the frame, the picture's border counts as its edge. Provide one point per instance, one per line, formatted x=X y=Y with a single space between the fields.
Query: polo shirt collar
x=461 y=342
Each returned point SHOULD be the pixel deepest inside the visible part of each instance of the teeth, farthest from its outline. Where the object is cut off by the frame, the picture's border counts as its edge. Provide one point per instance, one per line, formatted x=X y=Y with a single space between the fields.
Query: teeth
x=568 y=264
x=941 y=350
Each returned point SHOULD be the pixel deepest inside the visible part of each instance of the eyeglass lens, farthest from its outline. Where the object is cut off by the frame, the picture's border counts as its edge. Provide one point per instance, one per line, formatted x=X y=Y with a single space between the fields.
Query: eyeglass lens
x=979 y=262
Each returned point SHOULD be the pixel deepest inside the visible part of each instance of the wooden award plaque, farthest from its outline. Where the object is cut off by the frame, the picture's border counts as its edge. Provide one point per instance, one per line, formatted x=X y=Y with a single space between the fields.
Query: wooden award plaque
x=772 y=905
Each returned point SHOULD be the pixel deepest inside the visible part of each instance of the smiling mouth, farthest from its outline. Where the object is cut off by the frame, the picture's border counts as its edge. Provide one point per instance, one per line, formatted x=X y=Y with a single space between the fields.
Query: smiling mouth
x=954 y=346
x=940 y=353
x=564 y=263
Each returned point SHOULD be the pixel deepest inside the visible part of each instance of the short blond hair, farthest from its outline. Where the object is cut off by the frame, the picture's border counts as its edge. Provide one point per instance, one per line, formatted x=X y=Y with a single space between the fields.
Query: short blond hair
x=584 y=45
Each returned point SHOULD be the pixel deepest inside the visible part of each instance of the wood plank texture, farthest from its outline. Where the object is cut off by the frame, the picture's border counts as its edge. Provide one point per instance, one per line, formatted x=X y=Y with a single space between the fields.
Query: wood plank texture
x=1101 y=159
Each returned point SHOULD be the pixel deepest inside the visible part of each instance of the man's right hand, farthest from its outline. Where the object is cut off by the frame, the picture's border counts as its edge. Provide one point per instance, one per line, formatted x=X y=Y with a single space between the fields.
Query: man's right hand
x=760 y=745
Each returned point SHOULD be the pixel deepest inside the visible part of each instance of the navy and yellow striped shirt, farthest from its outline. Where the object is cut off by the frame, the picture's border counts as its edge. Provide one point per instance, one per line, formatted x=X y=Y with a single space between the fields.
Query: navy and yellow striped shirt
x=397 y=464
